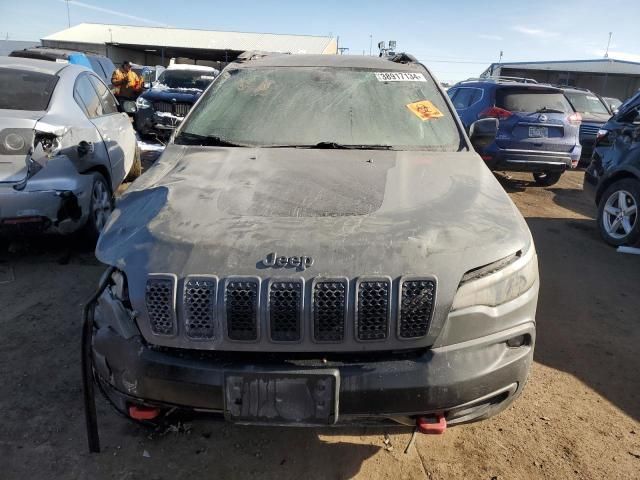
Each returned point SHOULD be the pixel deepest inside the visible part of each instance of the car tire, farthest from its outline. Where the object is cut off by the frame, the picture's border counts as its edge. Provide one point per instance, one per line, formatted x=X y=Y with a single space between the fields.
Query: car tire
x=546 y=179
x=136 y=168
x=617 y=227
x=100 y=207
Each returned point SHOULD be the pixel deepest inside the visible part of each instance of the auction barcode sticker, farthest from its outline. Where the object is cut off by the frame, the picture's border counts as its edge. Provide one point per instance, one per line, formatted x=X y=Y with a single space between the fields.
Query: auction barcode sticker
x=400 y=77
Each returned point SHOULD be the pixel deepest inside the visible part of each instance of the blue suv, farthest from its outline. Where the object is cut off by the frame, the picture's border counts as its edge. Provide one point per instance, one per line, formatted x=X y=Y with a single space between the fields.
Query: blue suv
x=538 y=128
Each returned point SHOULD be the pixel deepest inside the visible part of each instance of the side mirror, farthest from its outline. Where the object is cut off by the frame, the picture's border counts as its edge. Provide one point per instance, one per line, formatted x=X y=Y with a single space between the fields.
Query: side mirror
x=484 y=130
x=147 y=85
x=128 y=106
x=613 y=109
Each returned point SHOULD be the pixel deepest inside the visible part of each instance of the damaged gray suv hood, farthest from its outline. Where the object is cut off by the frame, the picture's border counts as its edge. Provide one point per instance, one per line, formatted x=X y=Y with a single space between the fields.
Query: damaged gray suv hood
x=345 y=213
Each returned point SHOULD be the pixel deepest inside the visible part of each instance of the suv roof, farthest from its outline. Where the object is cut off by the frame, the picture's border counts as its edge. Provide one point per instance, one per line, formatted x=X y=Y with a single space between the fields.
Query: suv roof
x=338 y=61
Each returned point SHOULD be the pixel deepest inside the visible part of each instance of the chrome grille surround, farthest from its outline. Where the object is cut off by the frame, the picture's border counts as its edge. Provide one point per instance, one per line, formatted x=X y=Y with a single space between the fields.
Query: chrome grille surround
x=199 y=307
x=160 y=301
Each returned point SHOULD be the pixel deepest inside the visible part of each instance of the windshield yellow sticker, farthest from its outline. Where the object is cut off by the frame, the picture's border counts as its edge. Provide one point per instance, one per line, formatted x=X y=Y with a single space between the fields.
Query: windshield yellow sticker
x=424 y=110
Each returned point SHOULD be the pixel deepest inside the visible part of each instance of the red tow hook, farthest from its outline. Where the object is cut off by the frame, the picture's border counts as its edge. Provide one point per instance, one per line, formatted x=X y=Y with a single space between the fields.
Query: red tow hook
x=426 y=425
x=139 y=412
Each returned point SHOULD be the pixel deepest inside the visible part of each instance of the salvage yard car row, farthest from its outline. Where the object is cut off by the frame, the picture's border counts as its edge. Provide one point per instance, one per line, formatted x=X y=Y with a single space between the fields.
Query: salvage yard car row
x=285 y=239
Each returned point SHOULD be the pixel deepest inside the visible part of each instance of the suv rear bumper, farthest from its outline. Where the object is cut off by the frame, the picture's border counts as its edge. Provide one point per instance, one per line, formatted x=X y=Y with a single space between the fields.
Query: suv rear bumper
x=531 y=160
x=467 y=381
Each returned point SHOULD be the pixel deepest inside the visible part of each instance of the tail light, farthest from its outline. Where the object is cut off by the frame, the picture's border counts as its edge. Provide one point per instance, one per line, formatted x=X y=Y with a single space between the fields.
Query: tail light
x=575 y=118
x=495 y=112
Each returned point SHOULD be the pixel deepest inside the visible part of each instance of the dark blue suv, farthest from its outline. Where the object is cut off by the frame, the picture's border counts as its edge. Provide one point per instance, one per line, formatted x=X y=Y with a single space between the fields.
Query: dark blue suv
x=538 y=129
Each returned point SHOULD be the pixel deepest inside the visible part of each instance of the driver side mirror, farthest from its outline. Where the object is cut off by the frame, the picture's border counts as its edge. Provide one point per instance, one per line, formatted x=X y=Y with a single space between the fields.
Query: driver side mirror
x=483 y=131
x=613 y=109
x=147 y=85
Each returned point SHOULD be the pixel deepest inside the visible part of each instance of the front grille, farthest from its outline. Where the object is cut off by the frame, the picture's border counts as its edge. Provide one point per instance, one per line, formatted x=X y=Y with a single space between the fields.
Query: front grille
x=329 y=309
x=177 y=109
x=372 y=315
x=199 y=308
x=160 y=306
x=285 y=311
x=241 y=301
x=591 y=130
x=416 y=307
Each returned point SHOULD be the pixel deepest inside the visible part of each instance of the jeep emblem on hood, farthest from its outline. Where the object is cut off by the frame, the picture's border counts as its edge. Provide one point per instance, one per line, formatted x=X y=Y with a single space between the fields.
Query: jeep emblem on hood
x=301 y=262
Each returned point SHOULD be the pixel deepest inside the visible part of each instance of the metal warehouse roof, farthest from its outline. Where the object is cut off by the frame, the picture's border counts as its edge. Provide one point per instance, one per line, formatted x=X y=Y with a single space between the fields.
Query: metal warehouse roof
x=602 y=65
x=96 y=33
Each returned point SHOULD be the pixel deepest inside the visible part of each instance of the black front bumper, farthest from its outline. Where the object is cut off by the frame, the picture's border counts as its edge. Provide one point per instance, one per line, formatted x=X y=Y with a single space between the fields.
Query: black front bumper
x=530 y=161
x=465 y=382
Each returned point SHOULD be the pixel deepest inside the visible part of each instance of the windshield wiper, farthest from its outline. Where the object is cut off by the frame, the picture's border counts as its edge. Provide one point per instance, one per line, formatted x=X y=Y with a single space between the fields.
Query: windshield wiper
x=545 y=110
x=186 y=138
x=336 y=146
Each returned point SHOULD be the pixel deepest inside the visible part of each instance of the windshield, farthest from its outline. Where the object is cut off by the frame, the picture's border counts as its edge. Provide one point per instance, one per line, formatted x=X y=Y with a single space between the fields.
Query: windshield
x=185 y=79
x=585 y=102
x=307 y=106
x=23 y=90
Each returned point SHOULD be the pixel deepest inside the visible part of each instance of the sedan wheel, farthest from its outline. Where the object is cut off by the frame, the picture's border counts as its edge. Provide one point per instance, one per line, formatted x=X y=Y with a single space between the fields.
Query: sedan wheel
x=618 y=213
x=99 y=208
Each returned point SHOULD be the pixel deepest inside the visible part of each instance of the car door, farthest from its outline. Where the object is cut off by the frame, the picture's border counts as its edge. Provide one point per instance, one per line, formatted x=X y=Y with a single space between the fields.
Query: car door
x=116 y=130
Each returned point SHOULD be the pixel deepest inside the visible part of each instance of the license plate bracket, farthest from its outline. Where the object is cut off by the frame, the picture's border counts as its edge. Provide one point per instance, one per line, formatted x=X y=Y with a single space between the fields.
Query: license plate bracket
x=282 y=398
x=538 y=132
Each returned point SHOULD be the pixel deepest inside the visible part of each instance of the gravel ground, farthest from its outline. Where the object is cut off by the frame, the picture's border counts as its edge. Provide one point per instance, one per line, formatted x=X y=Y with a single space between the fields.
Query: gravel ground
x=578 y=417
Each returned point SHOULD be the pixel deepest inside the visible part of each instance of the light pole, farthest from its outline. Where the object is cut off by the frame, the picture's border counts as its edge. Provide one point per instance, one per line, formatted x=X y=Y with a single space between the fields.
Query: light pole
x=68 y=14
x=370 y=43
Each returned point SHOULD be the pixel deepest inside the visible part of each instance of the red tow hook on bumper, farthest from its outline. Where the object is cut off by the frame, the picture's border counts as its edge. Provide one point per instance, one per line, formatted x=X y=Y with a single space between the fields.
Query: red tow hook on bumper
x=428 y=426
x=143 y=413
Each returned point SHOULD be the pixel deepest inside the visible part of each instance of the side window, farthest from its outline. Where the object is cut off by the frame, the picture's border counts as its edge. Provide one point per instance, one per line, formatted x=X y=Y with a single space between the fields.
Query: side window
x=109 y=104
x=452 y=93
x=108 y=67
x=466 y=97
x=95 y=66
x=88 y=97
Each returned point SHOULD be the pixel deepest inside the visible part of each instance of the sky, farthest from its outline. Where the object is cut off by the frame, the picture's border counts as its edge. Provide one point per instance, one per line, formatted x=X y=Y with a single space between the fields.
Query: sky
x=455 y=39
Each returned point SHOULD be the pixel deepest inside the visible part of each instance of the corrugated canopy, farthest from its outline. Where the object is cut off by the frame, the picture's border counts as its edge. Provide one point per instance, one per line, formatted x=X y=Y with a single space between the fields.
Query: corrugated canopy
x=194 y=39
x=602 y=65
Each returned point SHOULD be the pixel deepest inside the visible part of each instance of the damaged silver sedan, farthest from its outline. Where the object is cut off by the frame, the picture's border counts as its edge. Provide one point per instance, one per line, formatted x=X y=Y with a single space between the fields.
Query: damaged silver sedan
x=319 y=244
x=64 y=148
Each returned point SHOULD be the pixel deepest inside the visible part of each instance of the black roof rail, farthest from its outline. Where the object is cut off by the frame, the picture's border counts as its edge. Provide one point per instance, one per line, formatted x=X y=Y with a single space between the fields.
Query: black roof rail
x=403 y=57
x=501 y=79
x=571 y=87
x=255 y=55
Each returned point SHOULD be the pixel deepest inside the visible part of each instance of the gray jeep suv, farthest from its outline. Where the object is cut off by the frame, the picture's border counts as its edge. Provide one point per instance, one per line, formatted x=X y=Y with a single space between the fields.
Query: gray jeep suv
x=319 y=244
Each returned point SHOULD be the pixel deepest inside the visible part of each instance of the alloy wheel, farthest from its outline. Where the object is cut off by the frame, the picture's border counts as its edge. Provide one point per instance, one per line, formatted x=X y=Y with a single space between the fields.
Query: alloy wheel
x=620 y=214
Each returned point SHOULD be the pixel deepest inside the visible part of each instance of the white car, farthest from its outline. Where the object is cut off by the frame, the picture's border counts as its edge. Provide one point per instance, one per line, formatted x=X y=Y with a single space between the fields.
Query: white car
x=65 y=147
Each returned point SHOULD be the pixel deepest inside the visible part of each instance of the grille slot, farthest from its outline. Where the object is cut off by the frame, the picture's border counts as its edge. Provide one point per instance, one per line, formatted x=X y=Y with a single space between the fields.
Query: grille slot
x=589 y=130
x=416 y=307
x=372 y=315
x=329 y=309
x=177 y=109
x=160 y=305
x=241 y=303
x=285 y=311
x=199 y=308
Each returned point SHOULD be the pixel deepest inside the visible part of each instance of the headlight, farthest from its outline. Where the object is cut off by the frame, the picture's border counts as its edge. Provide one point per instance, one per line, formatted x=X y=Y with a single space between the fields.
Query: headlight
x=498 y=282
x=143 y=103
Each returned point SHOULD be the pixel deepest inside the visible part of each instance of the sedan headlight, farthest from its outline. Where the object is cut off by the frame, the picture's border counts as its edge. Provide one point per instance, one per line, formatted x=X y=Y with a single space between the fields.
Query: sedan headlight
x=143 y=103
x=498 y=282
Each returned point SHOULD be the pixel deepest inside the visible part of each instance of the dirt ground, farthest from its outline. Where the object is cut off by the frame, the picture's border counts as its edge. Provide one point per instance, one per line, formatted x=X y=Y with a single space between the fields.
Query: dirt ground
x=578 y=417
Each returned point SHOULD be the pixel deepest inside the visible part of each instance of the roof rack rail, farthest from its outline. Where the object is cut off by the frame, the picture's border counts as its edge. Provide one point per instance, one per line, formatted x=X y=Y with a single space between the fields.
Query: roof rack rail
x=572 y=87
x=255 y=55
x=403 y=57
x=501 y=79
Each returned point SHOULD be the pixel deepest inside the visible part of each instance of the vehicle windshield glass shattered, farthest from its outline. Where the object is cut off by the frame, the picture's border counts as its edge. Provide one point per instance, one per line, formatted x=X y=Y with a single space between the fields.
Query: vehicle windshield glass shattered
x=184 y=79
x=325 y=107
x=22 y=90
x=586 y=103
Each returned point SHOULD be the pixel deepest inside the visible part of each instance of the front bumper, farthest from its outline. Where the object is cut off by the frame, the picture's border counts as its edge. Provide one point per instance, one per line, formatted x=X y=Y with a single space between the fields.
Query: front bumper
x=148 y=121
x=466 y=381
x=51 y=201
